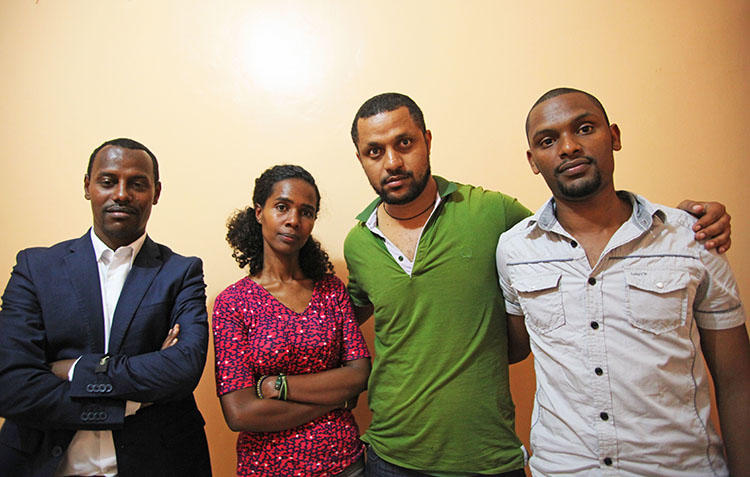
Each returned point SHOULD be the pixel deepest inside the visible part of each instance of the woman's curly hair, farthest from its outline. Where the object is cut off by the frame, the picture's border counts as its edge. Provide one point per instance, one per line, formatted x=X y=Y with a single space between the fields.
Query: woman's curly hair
x=245 y=235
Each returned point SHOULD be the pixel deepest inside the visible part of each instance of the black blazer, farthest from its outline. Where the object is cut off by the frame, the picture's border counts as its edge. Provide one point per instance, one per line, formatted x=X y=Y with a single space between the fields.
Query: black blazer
x=52 y=310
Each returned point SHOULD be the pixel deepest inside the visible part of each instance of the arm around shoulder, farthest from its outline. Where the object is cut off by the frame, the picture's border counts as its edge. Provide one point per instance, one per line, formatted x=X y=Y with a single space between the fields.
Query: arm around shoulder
x=713 y=225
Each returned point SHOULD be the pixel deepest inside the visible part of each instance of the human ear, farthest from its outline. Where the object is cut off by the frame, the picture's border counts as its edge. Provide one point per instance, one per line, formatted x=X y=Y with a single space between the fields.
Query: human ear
x=530 y=158
x=614 y=131
x=157 y=192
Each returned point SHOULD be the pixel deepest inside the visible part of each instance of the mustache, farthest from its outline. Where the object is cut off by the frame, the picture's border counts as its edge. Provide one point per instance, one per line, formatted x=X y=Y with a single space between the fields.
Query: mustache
x=400 y=174
x=566 y=165
x=121 y=208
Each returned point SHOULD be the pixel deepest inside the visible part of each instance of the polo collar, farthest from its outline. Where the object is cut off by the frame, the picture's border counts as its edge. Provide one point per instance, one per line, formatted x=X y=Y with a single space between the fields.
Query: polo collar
x=445 y=188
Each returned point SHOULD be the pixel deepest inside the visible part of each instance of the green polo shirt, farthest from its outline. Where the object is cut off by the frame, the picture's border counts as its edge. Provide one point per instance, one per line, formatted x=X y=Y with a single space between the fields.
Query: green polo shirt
x=439 y=389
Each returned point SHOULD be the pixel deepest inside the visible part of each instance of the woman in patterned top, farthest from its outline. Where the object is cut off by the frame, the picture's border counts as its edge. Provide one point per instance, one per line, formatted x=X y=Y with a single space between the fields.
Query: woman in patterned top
x=290 y=359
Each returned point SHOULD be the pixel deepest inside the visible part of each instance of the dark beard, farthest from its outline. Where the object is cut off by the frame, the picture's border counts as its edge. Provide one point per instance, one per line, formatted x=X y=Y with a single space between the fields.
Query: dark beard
x=414 y=190
x=581 y=190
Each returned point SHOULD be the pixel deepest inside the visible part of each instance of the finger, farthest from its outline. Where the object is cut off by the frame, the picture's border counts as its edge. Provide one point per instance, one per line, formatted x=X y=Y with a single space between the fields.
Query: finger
x=168 y=343
x=717 y=230
x=694 y=207
x=171 y=338
x=173 y=332
x=723 y=241
x=725 y=247
x=715 y=213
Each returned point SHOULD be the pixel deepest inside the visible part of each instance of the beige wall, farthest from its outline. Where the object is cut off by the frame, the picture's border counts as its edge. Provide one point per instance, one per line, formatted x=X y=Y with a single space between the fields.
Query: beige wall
x=221 y=90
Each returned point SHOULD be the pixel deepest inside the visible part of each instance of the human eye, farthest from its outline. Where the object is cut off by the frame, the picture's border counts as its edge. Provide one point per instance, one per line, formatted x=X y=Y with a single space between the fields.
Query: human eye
x=106 y=181
x=281 y=207
x=586 y=128
x=405 y=142
x=545 y=142
x=373 y=151
x=309 y=213
x=140 y=185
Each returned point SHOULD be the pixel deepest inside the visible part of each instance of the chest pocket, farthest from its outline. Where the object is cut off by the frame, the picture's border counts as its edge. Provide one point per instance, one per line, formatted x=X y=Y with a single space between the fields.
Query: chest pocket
x=541 y=301
x=657 y=299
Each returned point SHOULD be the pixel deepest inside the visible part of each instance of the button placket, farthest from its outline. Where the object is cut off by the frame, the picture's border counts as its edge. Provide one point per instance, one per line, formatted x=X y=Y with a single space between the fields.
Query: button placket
x=601 y=392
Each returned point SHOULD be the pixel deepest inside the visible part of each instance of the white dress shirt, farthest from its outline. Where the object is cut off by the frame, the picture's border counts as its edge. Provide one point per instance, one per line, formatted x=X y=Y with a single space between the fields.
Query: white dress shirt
x=93 y=452
x=622 y=388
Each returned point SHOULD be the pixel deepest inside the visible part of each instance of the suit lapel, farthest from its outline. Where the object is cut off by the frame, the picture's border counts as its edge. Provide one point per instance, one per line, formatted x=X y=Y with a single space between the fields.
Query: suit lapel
x=145 y=267
x=83 y=275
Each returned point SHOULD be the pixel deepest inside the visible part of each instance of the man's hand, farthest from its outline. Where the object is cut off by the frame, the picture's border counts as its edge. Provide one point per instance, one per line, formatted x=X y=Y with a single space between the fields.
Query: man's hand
x=713 y=225
x=171 y=338
x=61 y=368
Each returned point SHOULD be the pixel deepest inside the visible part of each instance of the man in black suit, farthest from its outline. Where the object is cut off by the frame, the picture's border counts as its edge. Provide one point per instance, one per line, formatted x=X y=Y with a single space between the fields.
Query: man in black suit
x=103 y=339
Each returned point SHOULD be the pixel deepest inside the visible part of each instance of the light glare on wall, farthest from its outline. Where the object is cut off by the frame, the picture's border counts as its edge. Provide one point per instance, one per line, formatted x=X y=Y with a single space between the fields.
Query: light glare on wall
x=284 y=55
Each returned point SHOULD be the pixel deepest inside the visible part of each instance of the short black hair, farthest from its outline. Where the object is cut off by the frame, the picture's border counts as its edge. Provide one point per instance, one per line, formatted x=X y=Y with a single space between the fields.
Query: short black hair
x=387 y=102
x=127 y=144
x=558 y=92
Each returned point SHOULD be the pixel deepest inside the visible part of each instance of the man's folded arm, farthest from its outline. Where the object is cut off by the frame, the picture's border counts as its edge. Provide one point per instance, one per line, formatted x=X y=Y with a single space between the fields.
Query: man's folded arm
x=162 y=374
x=30 y=393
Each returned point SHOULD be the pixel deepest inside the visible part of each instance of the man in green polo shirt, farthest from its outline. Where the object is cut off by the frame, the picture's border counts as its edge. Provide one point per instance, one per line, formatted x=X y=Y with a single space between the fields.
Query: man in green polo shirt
x=422 y=259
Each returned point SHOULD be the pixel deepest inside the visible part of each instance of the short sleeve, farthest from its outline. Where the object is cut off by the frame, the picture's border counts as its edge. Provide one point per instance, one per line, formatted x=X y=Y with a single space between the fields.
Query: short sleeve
x=512 y=307
x=356 y=293
x=717 y=303
x=233 y=370
x=514 y=212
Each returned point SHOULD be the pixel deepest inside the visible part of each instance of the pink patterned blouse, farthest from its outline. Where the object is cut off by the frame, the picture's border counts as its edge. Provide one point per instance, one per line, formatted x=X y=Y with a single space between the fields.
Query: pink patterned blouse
x=254 y=334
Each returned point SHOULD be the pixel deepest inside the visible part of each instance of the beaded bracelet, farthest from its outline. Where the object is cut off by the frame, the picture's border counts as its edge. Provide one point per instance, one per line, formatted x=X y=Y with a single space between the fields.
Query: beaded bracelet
x=259 y=386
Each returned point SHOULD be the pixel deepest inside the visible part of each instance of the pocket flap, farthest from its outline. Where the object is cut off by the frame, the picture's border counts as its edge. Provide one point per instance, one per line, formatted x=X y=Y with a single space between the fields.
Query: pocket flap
x=657 y=281
x=537 y=283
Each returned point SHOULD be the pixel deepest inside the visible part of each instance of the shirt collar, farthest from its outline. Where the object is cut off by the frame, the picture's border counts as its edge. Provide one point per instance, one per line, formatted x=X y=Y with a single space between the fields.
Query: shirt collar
x=372 y=220
x=444 y=187
x=644 y=213
x=100 y=247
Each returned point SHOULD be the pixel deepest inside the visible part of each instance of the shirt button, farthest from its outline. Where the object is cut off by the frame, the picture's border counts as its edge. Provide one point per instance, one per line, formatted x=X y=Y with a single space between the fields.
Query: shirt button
x=607 y=461
x=604 y=416
x=400 y=258
x=573 y=243
x=598 y=371
x=594 y=325
x=659 y=285
x=592 y=281
x=57 y=451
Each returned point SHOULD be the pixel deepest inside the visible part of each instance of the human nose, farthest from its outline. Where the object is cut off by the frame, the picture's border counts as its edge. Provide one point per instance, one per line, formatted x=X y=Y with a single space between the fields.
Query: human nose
x=569 y=145
x=293 y=218
x=121 y=193
x=393 y=160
